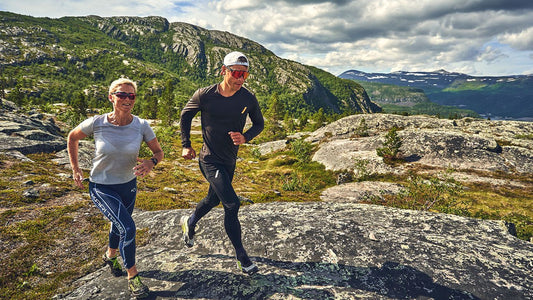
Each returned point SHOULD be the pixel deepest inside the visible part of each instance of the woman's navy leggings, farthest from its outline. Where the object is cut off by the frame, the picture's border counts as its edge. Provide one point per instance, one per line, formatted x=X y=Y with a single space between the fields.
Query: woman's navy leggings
x=116 y=202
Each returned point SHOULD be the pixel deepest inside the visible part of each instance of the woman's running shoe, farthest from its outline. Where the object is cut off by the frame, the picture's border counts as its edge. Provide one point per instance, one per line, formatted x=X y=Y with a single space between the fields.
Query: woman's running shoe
x=138 y=289
x=113 y=264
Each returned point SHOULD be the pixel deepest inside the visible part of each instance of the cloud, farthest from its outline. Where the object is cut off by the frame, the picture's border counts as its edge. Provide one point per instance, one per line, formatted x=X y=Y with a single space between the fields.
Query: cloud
x=104 y=8
x=522 y=40
x=406 y=34
x=477 y=35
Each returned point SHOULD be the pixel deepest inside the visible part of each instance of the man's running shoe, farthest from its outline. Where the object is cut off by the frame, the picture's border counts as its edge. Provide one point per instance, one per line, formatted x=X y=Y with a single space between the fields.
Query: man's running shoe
x=113 y=264
x=138 y=289
x=188 y=239
x=249 y=269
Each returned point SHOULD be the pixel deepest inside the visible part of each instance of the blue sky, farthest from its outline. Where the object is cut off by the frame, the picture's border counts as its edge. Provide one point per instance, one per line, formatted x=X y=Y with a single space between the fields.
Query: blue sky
x=476 y=37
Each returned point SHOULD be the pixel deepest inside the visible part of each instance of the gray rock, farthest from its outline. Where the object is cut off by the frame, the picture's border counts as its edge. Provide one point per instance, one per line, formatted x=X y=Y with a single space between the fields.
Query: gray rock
x=327 y=250
x=17 y=155
x=29 y=135
x=32 y=193
x=85 y=155
x=358 y=191
x=269 y=147
x=460 y=144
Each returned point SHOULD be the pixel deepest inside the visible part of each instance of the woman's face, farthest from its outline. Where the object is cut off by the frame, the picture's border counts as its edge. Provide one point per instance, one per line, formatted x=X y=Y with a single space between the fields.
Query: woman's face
x=122 y=98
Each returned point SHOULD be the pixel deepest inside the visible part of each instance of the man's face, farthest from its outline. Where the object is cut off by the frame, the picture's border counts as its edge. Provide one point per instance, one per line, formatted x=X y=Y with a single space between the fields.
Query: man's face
x=235 y=75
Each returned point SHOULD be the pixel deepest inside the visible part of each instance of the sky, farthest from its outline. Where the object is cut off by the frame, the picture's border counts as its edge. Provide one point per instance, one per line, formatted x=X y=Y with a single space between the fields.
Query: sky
x=475 y=37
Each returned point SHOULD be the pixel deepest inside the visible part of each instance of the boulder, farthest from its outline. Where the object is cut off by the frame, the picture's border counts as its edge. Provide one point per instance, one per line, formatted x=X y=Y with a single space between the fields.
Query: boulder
x=326 y=250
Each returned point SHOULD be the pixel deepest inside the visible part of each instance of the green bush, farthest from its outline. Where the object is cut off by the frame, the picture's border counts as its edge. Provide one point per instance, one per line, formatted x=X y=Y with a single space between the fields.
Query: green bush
x=296 y=182
x=361 y=169
x=302 y=150
x=362 y=129
x=436 y=194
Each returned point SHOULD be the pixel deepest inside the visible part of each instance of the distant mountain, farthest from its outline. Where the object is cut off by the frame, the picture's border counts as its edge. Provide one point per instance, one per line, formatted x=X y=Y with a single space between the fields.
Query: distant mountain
x=45 y=60
x=496 y=97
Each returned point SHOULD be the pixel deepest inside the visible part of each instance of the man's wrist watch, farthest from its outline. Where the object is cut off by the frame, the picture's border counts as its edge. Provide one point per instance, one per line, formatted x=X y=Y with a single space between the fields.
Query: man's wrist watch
x=154 y=160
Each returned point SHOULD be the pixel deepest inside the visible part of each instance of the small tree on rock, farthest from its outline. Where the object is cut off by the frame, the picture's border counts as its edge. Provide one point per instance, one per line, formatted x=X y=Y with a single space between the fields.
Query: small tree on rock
x=391 y=147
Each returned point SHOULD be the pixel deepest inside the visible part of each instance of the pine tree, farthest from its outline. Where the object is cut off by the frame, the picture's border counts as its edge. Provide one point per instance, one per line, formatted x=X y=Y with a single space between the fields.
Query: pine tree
x=16 y=95
x=80 y=104
x=167 y=110
x=319 y=118
x=273 y=128
x=3 y=84
x=302 y=121
x=391 y=147
x=288 y=121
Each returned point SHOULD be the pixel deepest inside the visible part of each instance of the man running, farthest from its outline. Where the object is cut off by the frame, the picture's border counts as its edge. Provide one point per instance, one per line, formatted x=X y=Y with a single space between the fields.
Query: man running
x=224 y=108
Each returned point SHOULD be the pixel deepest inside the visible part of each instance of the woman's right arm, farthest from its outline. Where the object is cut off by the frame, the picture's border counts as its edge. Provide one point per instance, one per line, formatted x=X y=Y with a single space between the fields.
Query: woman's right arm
x=72 y=146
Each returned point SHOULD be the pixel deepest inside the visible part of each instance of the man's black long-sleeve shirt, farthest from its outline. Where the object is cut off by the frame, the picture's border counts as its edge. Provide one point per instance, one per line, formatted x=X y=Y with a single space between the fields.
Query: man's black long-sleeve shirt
x=220 y=115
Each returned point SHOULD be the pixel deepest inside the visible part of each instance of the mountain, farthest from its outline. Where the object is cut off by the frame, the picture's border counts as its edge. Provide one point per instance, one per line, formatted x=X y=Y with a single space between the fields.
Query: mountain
x=45 y=60
x=497 y=97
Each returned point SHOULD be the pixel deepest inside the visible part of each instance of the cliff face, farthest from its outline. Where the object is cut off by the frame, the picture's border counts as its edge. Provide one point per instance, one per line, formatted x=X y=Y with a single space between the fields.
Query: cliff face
x=327 y=251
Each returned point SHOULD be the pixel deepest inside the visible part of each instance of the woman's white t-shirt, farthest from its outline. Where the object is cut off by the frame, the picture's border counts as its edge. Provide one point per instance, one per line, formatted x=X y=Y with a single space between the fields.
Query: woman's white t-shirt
x=117 y=148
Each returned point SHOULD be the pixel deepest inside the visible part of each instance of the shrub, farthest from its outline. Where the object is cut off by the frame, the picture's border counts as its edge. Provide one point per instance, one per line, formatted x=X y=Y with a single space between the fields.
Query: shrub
x=362 y=129
x=430 y=194
x=361 y=169
x=296 y=182
x=302 y=150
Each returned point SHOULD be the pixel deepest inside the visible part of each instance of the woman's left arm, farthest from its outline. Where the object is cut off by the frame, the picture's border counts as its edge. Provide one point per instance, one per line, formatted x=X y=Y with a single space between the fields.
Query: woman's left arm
x=146 y=165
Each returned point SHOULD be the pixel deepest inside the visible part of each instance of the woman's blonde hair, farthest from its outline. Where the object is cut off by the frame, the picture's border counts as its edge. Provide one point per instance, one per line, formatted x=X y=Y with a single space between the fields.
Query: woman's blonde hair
x=115 y=84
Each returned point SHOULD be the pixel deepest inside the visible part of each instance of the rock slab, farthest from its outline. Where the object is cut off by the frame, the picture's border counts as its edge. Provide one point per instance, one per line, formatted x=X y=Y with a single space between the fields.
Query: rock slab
x=327 y=250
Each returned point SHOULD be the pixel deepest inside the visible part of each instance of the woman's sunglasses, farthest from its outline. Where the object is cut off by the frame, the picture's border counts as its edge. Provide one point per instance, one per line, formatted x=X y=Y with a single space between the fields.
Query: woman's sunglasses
x=238 y=74
x=124 y=95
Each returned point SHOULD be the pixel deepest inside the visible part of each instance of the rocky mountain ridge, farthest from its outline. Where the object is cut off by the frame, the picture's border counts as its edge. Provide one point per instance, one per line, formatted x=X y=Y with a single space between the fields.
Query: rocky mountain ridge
x=60 y=56
x=439 y=79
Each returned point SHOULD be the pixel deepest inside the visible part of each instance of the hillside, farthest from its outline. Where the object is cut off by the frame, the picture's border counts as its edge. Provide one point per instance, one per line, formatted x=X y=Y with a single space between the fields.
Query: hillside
x=45 y=61
x=42 y=214
x=481 y=94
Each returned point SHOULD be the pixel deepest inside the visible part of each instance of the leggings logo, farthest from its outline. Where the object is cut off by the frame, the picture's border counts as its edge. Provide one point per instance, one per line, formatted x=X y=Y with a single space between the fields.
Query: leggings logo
x=133 y=190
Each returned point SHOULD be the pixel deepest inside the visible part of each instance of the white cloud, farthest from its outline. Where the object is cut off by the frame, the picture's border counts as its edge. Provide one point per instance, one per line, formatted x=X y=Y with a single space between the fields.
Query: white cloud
x=487 y=37
x=522 y=40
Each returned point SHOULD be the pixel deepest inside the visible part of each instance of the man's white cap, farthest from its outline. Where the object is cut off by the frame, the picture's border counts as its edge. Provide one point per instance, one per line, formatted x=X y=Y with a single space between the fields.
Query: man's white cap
x=235 y=58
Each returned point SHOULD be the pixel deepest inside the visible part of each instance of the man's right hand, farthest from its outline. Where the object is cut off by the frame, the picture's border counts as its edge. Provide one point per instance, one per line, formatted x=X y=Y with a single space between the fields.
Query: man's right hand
x=188 y=153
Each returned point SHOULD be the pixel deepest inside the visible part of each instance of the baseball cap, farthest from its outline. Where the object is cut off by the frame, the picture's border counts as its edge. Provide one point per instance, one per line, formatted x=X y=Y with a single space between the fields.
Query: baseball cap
x=235 y=58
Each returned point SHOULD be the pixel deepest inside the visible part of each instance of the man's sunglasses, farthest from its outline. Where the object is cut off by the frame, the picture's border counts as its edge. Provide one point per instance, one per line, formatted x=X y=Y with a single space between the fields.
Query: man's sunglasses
x=238 y=74
x=124 y=95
